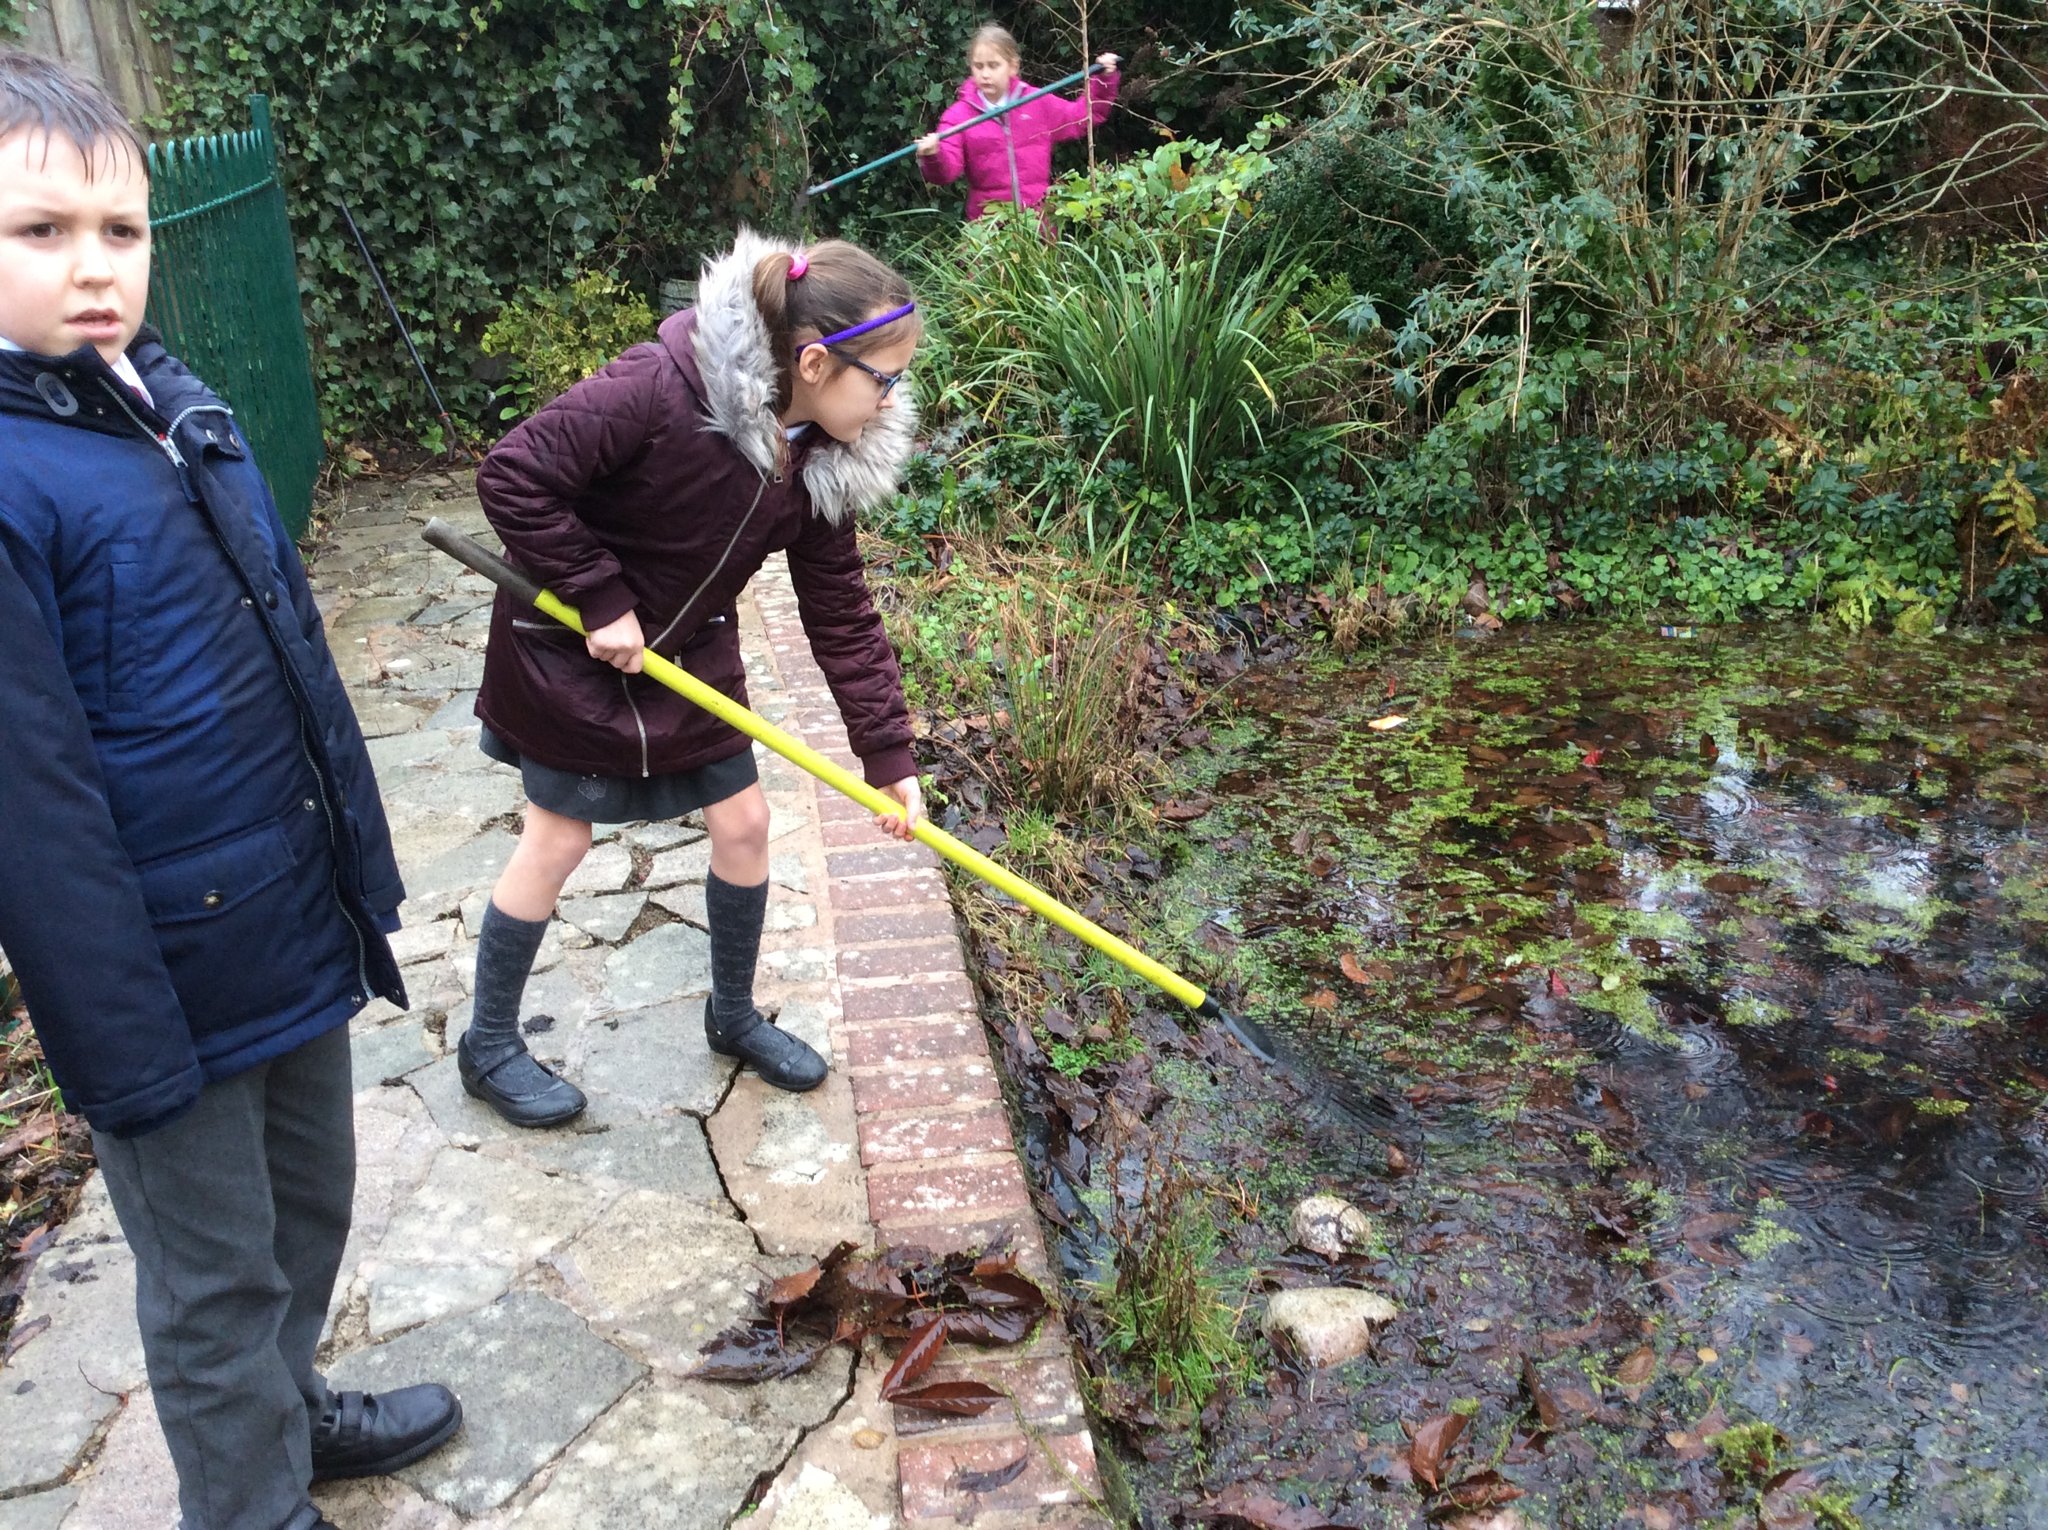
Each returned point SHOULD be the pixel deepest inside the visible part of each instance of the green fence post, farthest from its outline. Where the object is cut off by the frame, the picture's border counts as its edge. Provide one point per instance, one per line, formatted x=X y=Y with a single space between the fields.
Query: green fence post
x=224 y=289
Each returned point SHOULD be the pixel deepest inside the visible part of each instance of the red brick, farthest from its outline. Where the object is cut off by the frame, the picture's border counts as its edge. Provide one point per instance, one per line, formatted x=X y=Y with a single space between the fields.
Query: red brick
x=919 y=996
x=833 y=808
x=928 y=1475
x=887 y=892
x=860 y=832
x=898 y=1041
x=892 y=856
x=925 y=1136
x=910 y=1086
x=918 y=922
x=899 y=1199
x=941 y=957
x=1042 y=1391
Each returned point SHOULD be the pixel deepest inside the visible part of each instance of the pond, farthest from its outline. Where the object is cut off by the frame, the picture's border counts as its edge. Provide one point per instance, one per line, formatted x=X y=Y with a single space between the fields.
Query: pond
x=1677 y=1006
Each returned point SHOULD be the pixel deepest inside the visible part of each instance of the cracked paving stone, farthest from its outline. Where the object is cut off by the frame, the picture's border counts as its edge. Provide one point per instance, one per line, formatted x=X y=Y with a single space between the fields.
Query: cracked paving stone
x=466 y=1232
x=685 y=902
x=666 y=1154
x=604 y=870
x=605 y=917
x=439 y=886
x=388 y=1052
x=795 y=1146
x=38 y=1511
x=667 y=835
x=531 y=1378
x=800 y=964
x=64 y=1380
x=685 y=863
x=664 y=1459
x=423 y=941
x=654 y=1061
x=666 y=963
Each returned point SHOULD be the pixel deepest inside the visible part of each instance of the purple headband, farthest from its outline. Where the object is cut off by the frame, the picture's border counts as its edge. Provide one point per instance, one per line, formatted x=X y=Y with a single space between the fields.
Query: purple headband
x=871 y=324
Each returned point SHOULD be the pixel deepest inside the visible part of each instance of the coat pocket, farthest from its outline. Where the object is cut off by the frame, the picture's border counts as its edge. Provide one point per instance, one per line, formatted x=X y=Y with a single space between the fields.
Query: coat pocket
x=217 y=878
x=228 y=920
x=127 y=593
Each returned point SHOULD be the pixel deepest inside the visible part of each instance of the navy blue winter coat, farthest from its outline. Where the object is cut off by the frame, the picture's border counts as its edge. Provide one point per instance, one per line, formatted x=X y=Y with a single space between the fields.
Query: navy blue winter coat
x=195 y=871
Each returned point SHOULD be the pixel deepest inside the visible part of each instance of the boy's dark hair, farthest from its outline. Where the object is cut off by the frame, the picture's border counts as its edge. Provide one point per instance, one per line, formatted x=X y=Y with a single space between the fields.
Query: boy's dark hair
x=43 y=96
x=843 y=285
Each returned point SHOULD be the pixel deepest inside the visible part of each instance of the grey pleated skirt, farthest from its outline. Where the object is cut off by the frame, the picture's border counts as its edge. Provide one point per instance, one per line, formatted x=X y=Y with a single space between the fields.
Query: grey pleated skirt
x=624 y=799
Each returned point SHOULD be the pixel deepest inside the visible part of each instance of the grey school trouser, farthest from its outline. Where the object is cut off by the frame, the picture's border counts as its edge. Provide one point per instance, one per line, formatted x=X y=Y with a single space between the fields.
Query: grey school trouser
x=237 y=1213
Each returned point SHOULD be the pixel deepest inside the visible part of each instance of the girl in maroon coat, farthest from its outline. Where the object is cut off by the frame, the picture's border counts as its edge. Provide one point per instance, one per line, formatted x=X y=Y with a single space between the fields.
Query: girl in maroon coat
x=761 y=420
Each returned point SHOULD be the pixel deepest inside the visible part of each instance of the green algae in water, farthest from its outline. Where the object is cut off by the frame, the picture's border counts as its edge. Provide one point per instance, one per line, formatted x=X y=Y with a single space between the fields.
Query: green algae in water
x=1701 y=973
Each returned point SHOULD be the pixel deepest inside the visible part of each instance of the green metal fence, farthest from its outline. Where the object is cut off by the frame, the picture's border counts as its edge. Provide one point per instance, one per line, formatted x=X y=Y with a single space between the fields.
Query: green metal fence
x=224 y=289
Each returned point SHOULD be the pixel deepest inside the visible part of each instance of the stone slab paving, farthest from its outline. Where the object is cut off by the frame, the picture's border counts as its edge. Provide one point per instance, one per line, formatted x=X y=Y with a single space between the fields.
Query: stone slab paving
x=563 y=1281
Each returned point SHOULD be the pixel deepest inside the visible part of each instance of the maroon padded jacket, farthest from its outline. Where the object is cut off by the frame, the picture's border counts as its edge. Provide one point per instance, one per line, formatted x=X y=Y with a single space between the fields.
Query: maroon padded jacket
x=626 y=492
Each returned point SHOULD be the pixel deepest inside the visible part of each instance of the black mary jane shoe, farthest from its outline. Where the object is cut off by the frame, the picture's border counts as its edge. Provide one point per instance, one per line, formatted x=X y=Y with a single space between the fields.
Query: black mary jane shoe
x=372 y=1434
x=519 y=1087
x=780 y=1058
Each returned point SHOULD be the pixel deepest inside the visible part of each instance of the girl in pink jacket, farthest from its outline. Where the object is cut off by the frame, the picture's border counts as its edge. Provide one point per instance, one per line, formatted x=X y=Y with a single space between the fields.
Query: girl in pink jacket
x=1009 y=159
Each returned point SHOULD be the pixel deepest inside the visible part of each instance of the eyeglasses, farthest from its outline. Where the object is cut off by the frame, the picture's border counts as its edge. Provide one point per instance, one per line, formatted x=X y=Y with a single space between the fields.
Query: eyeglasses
x=888 y=380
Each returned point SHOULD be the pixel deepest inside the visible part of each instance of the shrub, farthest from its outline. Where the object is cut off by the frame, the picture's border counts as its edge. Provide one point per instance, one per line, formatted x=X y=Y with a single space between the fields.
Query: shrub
x=553 y=340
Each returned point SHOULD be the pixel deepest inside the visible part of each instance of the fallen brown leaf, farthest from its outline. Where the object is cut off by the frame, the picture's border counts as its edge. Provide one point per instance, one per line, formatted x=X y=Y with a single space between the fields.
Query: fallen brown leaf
x=989 y=1481
x=1430 y=1443
x=1638 y=1368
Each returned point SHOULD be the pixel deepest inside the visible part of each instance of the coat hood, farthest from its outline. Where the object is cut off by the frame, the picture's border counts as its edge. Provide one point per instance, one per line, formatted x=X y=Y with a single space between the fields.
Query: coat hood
x=738 y=371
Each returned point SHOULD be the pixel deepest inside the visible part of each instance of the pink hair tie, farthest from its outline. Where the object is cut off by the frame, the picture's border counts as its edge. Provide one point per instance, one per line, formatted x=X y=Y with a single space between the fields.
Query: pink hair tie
x=799 y=263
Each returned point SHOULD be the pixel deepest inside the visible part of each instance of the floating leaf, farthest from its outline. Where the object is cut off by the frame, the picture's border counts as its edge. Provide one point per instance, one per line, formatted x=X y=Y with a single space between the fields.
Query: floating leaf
x=1638 y=1368
x=1384 y=724
x=1546 y=1406
x=1430 y=1443
x=1475 y=1494
x=1263 y=1511
x=1348 y=964
x=1322 y=998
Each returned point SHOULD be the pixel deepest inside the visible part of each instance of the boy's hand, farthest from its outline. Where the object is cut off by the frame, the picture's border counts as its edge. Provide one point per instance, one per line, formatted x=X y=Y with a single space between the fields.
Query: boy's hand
x=1107 y=61
x=911 y=795
x=927 y=146
x=618 y=643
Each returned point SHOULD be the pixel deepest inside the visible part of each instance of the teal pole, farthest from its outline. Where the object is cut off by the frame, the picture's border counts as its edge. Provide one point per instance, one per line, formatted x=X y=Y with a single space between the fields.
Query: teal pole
x=988 y=116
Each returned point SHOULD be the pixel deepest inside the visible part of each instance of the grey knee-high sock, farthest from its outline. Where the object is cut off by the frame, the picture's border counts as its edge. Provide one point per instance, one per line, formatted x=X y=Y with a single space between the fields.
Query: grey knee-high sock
x=734 y=915
x=505 y=949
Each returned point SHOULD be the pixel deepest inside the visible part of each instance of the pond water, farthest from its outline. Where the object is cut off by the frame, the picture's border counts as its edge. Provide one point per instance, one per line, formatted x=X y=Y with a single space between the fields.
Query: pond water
x=1706 y=979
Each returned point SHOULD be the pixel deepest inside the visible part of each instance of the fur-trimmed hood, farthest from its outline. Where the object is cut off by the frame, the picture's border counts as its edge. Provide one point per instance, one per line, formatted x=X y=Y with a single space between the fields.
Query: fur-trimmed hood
x=738 y=371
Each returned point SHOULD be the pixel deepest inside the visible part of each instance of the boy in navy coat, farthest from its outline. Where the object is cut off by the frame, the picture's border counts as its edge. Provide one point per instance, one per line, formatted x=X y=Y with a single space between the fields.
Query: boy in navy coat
x=198 y=877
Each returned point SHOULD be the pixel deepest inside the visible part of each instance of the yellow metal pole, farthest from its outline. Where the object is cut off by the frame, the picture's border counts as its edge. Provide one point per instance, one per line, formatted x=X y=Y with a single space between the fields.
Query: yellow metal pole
x=801 y=755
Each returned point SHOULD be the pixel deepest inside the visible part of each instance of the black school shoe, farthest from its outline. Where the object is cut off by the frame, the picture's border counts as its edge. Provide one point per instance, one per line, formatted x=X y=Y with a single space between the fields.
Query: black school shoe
x=372 y=1434
x=519 y=1087
x=780 y=1058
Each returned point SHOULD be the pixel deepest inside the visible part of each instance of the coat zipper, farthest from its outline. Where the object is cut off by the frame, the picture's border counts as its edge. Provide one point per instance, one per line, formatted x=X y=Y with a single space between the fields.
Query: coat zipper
x=626 y=687
x=1010 y=148
x=177 y=458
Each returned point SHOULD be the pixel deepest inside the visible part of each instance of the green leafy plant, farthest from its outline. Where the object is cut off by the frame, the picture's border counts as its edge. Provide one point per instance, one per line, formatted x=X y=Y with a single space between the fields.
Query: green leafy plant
x=555 y=339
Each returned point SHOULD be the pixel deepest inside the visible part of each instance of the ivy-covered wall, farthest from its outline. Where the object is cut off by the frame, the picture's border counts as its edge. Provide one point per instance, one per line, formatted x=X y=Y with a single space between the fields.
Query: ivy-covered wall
x=506 y=146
